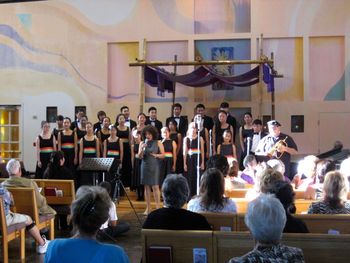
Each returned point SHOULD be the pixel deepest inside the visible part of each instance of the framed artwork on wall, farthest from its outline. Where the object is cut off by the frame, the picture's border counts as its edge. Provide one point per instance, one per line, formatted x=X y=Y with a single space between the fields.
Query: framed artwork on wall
x=51 y=114
x=297 y=123
x=222 y=53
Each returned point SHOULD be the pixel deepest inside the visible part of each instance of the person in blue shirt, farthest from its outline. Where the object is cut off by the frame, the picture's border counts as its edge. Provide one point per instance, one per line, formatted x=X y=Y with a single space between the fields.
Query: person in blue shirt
x=89 y=211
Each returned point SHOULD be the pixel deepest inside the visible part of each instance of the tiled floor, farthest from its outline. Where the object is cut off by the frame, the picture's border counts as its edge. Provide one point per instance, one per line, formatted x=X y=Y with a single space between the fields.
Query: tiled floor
x=130 y=241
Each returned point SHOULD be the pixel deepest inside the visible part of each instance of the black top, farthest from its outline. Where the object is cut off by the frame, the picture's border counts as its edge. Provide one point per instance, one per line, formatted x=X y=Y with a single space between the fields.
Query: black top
x=113 y=149
x=295 y=225
x=123 y=134
x=156 y=123
x=182 y=123
x=62 y=173
x=55 y=132
x=103 y=136
x=97 y=127
x=219 y=132
x=176 y=219
x=80 y=133
x=89 y=150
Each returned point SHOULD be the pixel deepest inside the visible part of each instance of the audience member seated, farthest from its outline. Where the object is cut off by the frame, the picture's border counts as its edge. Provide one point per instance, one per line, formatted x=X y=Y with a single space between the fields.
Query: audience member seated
x=266 y=179
x=306 y=173
x=16 y=218
x=89 y=211
x=112 y=227
x=284 y=192
x=220 y=162
x=335 y=190
x=266 y=219
x=13 y=167
x=248 y=174
x=56 y=168
x=175 y=192
x=211 y=194
x=345 y=168
x=279 y=166
x=314 y=191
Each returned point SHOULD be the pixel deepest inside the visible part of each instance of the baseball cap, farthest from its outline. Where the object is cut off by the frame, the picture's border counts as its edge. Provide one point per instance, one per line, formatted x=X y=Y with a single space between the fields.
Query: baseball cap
x=273 y=123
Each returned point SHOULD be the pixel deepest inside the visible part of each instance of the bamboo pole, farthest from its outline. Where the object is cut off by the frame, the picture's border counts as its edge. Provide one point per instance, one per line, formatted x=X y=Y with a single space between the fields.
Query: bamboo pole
x=261 y=85
x=142 y=84
x=139 y=63
x=174 y=86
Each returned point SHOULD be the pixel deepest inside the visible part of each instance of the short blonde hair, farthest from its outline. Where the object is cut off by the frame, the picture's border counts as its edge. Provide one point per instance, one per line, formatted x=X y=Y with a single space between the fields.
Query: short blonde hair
x=335 y=188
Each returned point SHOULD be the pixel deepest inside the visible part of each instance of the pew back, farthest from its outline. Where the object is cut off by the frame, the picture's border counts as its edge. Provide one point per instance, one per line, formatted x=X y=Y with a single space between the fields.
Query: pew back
x=318 y=224
x=66 y=186
x=316 y=247
x=221 y=221
x=182 y=243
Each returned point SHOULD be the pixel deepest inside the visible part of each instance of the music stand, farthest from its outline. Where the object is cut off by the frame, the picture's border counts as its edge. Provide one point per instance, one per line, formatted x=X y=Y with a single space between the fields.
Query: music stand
x=96 y=165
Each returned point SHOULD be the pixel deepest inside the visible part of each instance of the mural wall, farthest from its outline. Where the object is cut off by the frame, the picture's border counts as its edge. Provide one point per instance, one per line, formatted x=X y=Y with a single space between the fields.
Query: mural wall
x=76 y=52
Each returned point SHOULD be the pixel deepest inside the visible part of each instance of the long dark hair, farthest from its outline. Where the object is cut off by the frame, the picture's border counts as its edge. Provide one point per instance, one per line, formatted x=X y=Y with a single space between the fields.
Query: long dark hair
x=212 y=189
x=53 y=169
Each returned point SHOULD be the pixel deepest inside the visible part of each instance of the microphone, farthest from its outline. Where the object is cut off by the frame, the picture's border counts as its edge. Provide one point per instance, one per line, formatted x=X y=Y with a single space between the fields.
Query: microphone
x=145 y=144
x=198 y=120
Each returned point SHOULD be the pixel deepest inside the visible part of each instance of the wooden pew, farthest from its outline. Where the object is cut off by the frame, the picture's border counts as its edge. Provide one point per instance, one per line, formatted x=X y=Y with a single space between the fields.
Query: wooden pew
x=317 y=224
x=323 y=223
x=10 y=233
x=66 y=186
x=221 y=221
x=316 y=247
x=25 y=203
x=236 y=193
x=302 y=205
x=181 y=242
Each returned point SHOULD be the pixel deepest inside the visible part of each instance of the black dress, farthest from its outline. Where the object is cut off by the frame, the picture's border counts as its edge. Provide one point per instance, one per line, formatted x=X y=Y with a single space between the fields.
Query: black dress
x=136 y=181
x=191 y=161
x=89 y=151
x=226 y=150
x=80 y=134
x=167 y=162
x=68 y=148
x=127 y=167
x=180 y=158
x=218 y=134
x=113 y=149
x=89 y=148
x=103 y=137
x=46 y=147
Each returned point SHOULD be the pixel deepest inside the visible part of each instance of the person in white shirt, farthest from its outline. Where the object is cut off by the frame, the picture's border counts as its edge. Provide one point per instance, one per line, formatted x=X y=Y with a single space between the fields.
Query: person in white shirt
x=111 y=228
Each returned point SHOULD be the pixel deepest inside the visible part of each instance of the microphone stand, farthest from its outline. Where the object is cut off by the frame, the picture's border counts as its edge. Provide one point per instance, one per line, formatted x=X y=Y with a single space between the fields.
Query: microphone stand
x=210 y=143
x=198 y=121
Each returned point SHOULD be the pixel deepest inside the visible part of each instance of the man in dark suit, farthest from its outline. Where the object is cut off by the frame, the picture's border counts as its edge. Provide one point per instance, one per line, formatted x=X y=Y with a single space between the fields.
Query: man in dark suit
x=208 y=122
x=257 y=135
x=98 y=125
x=76 y=122
x=152 y=120
x=182 y=122
x=128 y=122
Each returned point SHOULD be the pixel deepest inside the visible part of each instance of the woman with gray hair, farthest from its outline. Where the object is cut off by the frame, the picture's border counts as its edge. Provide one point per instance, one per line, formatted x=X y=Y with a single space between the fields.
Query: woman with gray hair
x=89 y=211
x=175 y=192
x=267 y=233
x=335 y=190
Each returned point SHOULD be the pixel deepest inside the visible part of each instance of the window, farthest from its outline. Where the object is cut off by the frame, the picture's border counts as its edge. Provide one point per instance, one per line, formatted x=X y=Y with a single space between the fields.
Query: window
x=10 y=132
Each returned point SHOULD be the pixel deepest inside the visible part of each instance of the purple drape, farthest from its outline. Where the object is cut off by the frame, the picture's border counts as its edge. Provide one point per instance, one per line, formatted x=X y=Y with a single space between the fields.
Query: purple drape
x=204 y=76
